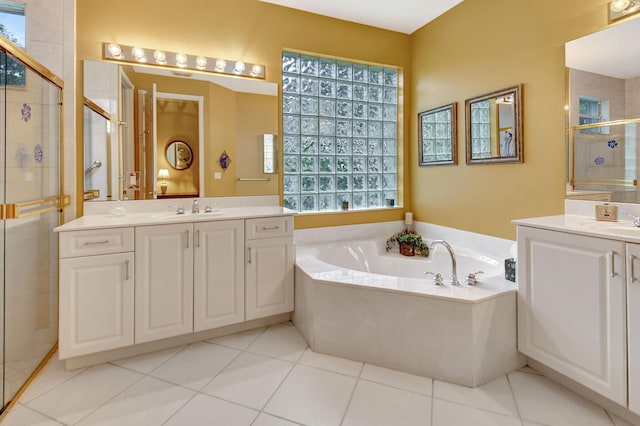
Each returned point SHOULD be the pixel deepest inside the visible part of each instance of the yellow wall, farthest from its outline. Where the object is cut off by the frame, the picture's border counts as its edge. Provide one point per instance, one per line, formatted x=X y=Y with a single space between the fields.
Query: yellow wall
x=260 y=116
x=478 y=47
x=250 y=30
x=178 y=121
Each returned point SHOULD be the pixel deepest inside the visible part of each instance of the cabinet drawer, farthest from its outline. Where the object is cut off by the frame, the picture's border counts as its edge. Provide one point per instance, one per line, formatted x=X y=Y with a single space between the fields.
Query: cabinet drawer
x=96 y=241
x=268 y=227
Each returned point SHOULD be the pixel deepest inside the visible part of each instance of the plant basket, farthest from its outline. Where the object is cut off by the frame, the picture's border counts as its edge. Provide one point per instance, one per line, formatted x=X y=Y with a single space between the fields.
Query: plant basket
x=406 y=249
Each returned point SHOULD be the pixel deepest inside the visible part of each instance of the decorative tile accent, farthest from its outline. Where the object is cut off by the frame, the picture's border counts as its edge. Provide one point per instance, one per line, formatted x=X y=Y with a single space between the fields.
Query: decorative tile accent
x=21 y=157
x=37 y=153
x=599 y=161
x=26 y=112
x=612 y=144
x=224 y=161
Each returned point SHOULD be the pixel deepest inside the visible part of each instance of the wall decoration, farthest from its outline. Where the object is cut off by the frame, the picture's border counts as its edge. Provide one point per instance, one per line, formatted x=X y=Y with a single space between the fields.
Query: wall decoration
x=224 y=161
x=37 y=153
x=437 y=141
x=612 y=144
x=21 y=157
x=599 y=161
x=26 y=112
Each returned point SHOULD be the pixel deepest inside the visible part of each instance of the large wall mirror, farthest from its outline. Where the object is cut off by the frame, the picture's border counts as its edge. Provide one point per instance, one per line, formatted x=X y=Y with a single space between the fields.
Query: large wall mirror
x=494 y=127
x=180 y=123
x=603 y=114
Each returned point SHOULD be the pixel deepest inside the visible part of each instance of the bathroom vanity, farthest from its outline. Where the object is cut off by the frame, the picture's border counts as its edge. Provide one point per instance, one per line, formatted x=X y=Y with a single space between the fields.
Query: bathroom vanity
x=579 y=302
x=129 y=281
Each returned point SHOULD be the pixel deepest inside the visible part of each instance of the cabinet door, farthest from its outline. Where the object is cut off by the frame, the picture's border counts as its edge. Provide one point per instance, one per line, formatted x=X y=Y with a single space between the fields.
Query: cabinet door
x=164 y=281
x=633 y=325
x=218 y=274
x=571 y=307
x=96 y=303
x=269 y=277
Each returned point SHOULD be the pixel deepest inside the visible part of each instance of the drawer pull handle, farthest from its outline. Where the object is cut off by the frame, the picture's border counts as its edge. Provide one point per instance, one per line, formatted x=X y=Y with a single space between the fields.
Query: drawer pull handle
x=613 y=265
x=126 y=269
x=633 y=268
x=92 y=243
x=187 y=239
x=198 y=238
x=249 y=248
x=270 y=228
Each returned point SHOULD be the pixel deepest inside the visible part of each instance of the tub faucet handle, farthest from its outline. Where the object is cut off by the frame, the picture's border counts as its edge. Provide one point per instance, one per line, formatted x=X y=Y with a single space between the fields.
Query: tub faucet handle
x=437 y=278
x=472 y=278
x=636 y=221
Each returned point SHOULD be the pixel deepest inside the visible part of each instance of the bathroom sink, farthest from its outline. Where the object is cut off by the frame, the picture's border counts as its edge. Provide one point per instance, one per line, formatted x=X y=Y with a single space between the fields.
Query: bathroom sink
x=618 y=228
x=187 y=215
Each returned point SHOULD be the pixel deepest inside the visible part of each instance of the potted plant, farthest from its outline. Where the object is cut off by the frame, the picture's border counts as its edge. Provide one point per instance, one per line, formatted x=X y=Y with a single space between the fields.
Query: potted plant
x=410 y=243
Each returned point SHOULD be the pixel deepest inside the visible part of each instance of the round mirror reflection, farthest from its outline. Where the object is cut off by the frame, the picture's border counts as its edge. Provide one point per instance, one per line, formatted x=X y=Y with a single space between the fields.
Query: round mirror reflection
x=179 y=155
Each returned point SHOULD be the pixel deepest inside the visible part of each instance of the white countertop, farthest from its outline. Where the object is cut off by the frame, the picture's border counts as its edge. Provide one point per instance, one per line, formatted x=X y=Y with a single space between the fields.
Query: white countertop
x=622 y=230
x=99 y=221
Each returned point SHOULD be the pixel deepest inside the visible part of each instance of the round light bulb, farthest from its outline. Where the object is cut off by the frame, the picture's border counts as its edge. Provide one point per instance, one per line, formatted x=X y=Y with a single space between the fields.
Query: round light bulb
x=160 y=57
x=114 y=50
x=201 y=62
x=181 y=60
x=137 y=52
x=256 y=69
x=221 y=64
x=619 y=5
x=240 y=67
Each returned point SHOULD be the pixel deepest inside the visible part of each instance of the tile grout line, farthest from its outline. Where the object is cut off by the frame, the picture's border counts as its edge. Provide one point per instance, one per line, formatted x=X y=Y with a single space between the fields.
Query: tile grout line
x=433 y=393
x=353 y=392
x=143 y=376
x=515 y=400
x=37 y=411
x=293 y=366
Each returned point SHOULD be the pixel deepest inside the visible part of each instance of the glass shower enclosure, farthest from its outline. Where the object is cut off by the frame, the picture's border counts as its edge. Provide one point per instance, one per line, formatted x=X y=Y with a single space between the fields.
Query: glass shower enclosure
x=31 y=206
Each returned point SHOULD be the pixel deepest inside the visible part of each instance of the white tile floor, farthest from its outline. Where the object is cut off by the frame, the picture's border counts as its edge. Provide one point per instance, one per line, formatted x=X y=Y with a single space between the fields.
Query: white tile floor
x=270 y=377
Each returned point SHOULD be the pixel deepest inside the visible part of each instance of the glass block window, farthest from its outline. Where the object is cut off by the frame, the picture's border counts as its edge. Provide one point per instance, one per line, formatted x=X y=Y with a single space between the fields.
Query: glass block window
x=340 y=125
x=593 y=110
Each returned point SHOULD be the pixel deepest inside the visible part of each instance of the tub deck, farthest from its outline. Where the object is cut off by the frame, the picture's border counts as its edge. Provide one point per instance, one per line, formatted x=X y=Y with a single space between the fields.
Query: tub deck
x=464 y=335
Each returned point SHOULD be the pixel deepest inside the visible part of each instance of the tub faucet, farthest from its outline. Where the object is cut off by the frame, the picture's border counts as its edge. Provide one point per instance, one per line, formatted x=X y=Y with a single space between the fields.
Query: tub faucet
x=195 y=207
x=454 y=272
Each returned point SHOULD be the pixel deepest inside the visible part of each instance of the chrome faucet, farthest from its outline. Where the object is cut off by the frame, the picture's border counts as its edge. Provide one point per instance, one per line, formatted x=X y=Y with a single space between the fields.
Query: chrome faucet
x=636 y=221
x=195 y=207
x=454 y=272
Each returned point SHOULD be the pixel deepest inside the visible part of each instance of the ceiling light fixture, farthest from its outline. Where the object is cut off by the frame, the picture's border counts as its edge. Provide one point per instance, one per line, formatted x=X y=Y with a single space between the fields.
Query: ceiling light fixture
x=619 y=9
x=140 y=55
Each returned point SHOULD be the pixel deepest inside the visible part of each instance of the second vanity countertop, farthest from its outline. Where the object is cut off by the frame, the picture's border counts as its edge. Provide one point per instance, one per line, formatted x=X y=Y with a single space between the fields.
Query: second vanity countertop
x=100 y=221
x=622 y=230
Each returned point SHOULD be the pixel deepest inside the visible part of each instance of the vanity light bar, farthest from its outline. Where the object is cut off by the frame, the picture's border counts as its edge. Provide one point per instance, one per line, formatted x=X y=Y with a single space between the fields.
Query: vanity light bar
x=142 y=55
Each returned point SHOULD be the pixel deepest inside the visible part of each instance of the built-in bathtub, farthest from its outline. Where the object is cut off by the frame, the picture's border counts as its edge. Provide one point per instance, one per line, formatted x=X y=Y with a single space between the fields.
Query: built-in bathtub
x=356 y=301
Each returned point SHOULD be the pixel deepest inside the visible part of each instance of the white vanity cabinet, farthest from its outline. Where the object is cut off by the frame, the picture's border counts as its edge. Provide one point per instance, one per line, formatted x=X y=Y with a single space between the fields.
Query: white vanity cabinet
x=572 y=307
x=196 y=277
x=633 y=324
x=164 y=281
x=96 y=291
x=219 y=274
x=269 y=267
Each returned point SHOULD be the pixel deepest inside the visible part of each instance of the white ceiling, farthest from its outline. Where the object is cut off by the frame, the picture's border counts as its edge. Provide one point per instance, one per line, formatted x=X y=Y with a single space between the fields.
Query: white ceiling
x=405 y=16
x=614 y=51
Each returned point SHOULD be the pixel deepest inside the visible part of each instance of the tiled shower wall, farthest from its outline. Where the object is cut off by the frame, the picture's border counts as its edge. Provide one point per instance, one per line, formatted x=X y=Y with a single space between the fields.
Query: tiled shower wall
x=50 y=39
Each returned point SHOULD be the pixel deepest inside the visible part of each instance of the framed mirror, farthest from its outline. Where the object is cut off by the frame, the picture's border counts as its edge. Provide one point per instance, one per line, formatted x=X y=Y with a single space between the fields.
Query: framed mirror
x=494 y=127
x=179 y=155
x=437 y=142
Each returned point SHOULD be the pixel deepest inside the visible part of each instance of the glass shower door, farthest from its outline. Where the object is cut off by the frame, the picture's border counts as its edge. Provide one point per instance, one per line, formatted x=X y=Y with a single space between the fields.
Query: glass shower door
x=30 y=145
